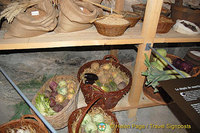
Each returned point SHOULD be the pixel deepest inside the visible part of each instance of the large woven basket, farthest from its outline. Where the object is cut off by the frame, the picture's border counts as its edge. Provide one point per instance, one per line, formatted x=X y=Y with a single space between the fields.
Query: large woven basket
x=109 y=99
x=81 y=112
x=60 y=119
x=31 y=120
x=162 y=97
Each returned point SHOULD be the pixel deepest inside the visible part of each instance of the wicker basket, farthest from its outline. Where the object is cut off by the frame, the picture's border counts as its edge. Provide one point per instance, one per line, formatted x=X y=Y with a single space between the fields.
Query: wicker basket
x=164 y=24
x=109 y=99
x=60 y=119
x=162 y=97
x=81 y=112
x=111 y=30
x=133 y=18
x=25 y=121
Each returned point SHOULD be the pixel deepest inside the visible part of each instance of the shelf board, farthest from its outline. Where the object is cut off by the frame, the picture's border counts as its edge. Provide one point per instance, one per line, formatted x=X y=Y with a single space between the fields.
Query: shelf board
x=88 y=37
x=174 y=37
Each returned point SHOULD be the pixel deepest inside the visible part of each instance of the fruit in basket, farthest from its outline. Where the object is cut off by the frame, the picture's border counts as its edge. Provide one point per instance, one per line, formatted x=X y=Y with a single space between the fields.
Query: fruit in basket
x=62 y=83
x=62 y=91
x=183 y=65
x=59 y=98
x=98 y=118
x=53 y=85
x=87 y=119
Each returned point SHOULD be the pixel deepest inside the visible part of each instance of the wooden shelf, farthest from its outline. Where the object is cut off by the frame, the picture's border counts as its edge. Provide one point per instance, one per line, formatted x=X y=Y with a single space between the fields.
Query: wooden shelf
x=88 y=37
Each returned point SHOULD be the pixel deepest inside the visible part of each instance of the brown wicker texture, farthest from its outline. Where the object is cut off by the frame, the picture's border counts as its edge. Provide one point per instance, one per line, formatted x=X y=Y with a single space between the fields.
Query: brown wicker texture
x=109 y=99
x=162 y=97
x=132 y=17
x=164 y=24
x=81 y=112
x=110 y=30
x=60 y=119
x=25 y=121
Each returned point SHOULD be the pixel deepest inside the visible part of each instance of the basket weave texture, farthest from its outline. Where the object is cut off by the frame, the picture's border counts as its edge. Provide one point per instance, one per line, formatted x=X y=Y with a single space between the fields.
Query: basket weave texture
x=60 y=119
x=110 y=30
x=25 y=121
x=109 y=99
x=81 y=112
x=164 y=26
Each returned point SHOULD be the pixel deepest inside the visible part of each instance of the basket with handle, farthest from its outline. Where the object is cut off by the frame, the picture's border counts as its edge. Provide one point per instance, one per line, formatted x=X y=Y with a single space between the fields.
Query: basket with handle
x=79 y=114
x=26 y=120
x=109 y=99
x=60 y=119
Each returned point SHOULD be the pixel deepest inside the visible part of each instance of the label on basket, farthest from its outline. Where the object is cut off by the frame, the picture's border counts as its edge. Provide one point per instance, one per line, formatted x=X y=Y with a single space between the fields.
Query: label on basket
x=186 y=95
x=35 y=13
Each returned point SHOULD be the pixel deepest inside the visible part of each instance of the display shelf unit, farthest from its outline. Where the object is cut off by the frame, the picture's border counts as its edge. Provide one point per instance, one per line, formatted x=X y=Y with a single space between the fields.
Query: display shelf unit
x=141 y=34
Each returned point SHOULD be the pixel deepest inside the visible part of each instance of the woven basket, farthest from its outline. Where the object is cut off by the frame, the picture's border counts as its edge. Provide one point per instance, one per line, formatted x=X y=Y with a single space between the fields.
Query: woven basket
x=164 y=24
x=162 y=97
x=60 y=119
x=25 y=121
x=132 y=17
x=110 y=30
x=109 y=99
x=81 y=112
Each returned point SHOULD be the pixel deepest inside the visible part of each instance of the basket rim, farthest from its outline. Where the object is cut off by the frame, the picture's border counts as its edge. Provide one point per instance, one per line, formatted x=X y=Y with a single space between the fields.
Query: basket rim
x=110 y=26
x=70 y=102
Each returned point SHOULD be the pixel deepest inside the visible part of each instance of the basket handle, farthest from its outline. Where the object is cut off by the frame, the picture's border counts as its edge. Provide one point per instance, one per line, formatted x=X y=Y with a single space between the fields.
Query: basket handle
x=30 y=116
x=85 y=112
x=111 y=56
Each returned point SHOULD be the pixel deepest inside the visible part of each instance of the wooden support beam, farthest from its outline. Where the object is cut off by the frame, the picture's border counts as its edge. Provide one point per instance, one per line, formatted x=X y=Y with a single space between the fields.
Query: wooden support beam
x=119 y=5
x=152 y=14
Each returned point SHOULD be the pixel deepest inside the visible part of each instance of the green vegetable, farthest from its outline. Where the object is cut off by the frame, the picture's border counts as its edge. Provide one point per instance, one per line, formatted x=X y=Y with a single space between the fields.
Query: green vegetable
x=62 y=91
x=98 y=118
x=108 y=129
x=162 y=52
x=163 y=63
x=42 y=104
x=62 y=83
x=87 y=119
x=155 y=75
x=90 y=128
x=156 y=65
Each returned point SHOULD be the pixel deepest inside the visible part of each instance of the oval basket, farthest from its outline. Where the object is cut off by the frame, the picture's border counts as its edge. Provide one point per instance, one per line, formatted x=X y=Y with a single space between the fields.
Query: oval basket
x=109 y=99
x=162 y=97
x=60 y=119
x=25 y=120
x=81 y=112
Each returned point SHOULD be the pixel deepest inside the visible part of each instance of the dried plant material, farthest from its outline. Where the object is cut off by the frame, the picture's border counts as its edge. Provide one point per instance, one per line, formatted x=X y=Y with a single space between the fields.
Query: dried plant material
x=114 y=19
x=13 y=9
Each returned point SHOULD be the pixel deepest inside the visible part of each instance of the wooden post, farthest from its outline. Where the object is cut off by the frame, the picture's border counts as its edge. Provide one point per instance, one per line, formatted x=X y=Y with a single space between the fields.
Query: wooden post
x=152 y=14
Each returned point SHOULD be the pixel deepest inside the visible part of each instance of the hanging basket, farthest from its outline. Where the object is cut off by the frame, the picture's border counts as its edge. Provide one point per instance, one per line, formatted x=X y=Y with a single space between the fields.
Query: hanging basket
x=60 y=119
x=109 y=99
x=79 y=114
x=26 y=120
x=162 y=97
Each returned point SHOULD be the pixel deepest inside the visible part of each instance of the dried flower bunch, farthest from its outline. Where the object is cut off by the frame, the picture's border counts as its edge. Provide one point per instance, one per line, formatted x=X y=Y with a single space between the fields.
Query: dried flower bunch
x=13 y=9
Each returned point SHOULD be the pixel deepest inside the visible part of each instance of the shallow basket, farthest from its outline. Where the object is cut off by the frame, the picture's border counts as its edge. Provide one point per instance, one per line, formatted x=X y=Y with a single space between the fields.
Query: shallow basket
x=109 y=99
x=110 y=30
x=132 y=17
x=81 y=112
x=25 y=120
x=162 y=97
x=60 y=119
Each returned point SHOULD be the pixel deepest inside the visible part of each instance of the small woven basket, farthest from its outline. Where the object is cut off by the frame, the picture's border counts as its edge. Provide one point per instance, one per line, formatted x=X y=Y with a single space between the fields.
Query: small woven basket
x=31 y=120
x=162 y=97
x=164 y=24
x=60 y=119
x=81 y=112
x=109 y=99
x=132 y=17
x=110 y=30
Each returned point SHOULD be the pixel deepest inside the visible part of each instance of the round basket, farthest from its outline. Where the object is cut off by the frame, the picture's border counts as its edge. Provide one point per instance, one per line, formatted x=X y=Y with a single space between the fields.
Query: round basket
x=132 y=17
x=162 y=97
x=109 y=99
x=60 y=119
x=81 y=112
x=164 y=24
x=31 y=120
x=111 y=30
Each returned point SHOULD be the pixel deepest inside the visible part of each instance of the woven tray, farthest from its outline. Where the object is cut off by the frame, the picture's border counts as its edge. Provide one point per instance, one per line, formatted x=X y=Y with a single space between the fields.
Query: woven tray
x=83 y=111
x=60 y=119
x=162 y=97
x=109 y=99
x=25 y=120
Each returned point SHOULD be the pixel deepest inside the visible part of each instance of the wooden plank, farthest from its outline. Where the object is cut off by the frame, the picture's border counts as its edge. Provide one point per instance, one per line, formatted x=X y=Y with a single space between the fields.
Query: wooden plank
x=119 y=5
x=152 y=14
x=88 y=37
